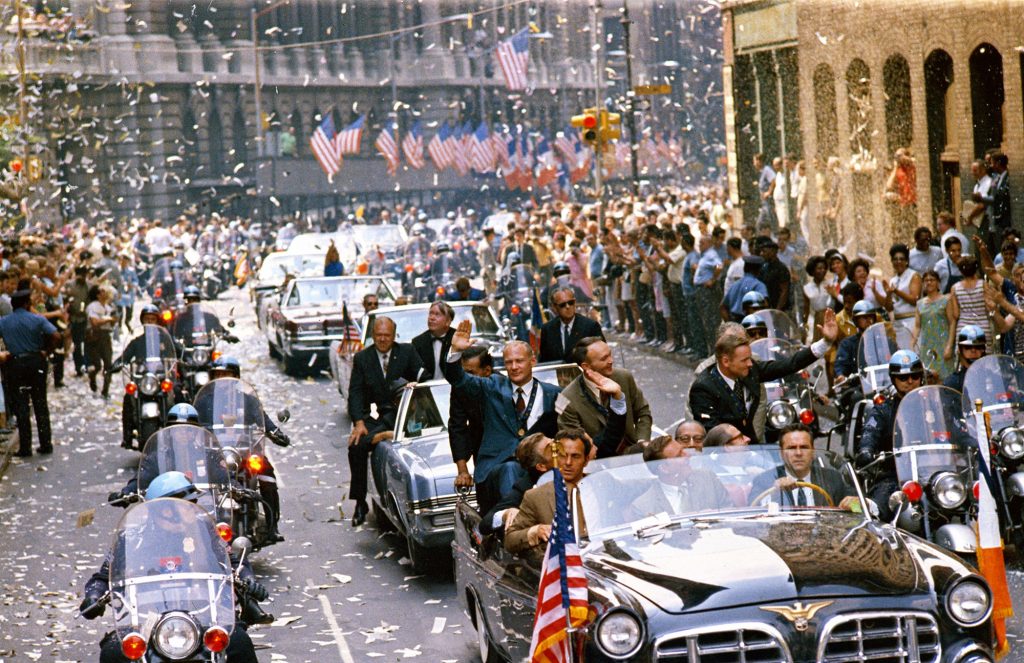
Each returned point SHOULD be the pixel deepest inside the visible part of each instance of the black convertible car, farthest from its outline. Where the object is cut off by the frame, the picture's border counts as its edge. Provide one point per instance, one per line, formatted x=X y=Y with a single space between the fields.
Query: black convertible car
x=708 y=572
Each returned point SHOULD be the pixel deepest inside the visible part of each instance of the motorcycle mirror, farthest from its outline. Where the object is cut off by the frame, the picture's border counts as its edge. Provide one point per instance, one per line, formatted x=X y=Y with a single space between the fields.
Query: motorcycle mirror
x=231 y=324
x=284 y=415
x=241 y=545
x=897 y=502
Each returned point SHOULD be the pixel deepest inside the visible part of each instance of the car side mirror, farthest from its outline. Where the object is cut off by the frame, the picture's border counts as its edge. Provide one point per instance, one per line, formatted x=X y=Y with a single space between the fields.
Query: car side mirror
x=284 y=415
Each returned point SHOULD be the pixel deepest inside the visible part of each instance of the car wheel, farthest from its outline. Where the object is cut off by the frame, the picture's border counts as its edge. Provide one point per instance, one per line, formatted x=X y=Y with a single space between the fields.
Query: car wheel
x=294 y=366
x=274 y=354
x=147 y=428
x=488 y=652
x=380 y=516
x=428 y=560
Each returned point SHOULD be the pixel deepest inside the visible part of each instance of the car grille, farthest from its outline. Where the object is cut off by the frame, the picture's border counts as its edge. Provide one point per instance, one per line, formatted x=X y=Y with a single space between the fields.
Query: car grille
x=725 y=643
x=442 y=503
x=882 y=637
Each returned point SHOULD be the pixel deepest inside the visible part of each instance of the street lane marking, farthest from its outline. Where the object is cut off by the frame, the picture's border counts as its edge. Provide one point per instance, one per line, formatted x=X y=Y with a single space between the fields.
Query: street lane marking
x=339 y=637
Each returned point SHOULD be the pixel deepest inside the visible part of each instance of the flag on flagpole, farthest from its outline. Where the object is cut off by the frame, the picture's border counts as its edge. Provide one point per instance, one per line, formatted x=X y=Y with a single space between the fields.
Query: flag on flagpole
x=511 y=170
x=351 y=338
x=325 y=149
x=480 y=149
x=562 y=595
x=547 y=167
x=351 y=137
x=499 y=148
x=514 y=59
x=387 y=145
x=412 y=146
x=460 y=157
x=440 y=152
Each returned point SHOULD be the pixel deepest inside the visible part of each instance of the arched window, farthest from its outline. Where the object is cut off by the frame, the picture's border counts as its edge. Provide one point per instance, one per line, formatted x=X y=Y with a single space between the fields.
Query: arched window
x=238 y=134
x=861 y=115
x=826 y=121
x=987 y=98
x=899 y=123
x=938 y=97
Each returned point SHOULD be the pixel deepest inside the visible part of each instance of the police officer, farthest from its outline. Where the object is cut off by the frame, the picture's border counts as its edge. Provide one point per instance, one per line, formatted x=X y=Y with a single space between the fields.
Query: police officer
x=753 y=302
x=846 y=356
x=970 y=345
x=28 y=338
x=907 y=373
x=755 y=326
x=182 y=328
x=563 y=279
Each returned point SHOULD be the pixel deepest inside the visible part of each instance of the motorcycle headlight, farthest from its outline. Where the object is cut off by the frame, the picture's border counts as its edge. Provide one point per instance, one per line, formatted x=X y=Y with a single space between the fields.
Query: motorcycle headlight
x=149 y=384
x=176 y=636
x=1011 y=443
x=948 y=490
x=200 y=355
x=620 y=634
x=781 y=414
x=969 y=602
x=202 y=377
x=232 y=459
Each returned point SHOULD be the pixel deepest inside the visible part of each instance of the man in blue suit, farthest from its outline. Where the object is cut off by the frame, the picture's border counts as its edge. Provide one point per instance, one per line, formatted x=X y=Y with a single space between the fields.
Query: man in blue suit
x=513 y=407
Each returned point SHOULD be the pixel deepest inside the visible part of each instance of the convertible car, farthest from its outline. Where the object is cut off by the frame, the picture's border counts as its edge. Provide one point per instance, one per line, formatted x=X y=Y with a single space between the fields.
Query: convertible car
x=413 y=487
x=722 y=574
x=306 y=317
x=411 y=320
x=272 y=273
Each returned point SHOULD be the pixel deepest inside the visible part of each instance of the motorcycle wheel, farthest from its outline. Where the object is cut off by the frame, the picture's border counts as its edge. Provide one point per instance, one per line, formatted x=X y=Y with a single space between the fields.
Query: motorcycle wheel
x=127 y=427
x=146 y=429
x=274 y=354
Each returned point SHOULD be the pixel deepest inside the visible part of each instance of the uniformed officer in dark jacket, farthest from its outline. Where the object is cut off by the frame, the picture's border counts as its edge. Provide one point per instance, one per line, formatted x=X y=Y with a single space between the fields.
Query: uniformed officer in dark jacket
x=970 y=345
x=907 y=373
x=466 y=417
x=28 y=338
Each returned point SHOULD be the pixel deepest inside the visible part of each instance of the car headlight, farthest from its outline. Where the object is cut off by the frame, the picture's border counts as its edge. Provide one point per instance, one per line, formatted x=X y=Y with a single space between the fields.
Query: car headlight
x=620 y=634
x=1011 y=443
x=948 y=490
x=202 y=377
x=781 y=414
x=149 y=384
x=969 y=602
x=176 y=636
x=200 y=355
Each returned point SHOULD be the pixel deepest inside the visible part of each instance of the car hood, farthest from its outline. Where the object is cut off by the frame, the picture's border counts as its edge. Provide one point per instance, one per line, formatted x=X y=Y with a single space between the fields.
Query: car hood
x=429 y=459
x=735 y=561
x=315 y=313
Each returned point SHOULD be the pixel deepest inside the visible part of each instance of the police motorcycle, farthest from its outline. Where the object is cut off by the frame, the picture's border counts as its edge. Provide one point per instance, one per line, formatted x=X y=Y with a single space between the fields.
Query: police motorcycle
x=167 y=288
x=171 y=586
x=149 y=368
x=415 y=281
x=199 y=350
x=935 y=469
x=789 y=399
x=444 y=271
x=230 y=409
x=209 y=274
x=877 y=345
x=517 y=290
x=998 y=382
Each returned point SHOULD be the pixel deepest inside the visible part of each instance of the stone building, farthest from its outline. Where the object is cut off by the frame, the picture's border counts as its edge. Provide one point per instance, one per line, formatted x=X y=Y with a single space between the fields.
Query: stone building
x=167 y=88
x=857 y=81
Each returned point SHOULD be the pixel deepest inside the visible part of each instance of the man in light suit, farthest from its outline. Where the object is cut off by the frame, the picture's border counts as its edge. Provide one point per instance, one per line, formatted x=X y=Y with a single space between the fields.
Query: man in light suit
x=374 y=370
x=432 y=345
x=513 y=406
x=681 y=487
x=562 y=332
x=797 y=445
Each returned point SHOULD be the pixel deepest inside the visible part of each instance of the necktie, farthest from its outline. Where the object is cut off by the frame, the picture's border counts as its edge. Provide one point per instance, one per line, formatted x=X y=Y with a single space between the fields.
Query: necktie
x=384 y=364
x=520 y=401
x=801 y=497
x=740 y=396
x=565 y=339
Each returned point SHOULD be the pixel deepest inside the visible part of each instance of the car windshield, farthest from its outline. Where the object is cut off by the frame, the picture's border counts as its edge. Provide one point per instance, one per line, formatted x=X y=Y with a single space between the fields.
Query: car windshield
x=278 y=265
x=427 y=412
x=384 y=236
x=334 y=291
x=647 y=496
x=412 y=322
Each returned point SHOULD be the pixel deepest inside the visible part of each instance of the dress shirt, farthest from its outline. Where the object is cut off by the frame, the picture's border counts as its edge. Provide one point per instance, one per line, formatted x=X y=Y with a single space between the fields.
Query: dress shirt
x=538 y=403
x=437 y=342
x=709 y=260
x=808 y=492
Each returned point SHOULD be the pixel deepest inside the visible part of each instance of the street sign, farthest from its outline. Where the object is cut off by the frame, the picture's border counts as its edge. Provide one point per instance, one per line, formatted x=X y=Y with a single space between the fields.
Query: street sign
x=652 y=89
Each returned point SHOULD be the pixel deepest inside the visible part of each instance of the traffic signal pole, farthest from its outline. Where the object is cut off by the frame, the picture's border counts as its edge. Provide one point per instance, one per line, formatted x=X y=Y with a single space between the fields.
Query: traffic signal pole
x=630 y=99
x=598 y=72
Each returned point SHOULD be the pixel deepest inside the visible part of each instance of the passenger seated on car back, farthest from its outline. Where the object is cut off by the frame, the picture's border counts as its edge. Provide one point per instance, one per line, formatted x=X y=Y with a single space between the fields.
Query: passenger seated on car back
x=681 y=487
x=528 y=533
x=534 y=455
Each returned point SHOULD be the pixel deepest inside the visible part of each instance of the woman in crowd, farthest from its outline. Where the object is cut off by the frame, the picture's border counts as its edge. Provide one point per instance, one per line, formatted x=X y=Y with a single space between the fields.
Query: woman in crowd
x=98 y=343
x=816 y=295
x=967 y=306
x=901 y=294
x=931 y=327
x=332 y=262
x=874 y=291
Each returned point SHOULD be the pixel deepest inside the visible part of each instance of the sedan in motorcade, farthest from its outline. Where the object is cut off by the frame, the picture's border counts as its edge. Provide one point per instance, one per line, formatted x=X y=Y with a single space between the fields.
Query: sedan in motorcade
x=307 y=316
x=273 y=272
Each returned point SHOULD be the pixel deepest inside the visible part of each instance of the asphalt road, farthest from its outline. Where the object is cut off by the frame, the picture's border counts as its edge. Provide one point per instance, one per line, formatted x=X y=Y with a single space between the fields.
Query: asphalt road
x=339 y=594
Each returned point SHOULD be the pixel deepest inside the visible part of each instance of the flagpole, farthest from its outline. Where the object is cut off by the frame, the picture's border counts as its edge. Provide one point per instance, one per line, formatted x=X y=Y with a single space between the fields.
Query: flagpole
x=630 y=100
x=599 y=193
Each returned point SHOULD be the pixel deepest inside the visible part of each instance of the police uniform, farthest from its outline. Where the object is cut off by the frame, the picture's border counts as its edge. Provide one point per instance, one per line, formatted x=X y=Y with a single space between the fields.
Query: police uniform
x=955 y=380
x=27 y=337
x=877 y=439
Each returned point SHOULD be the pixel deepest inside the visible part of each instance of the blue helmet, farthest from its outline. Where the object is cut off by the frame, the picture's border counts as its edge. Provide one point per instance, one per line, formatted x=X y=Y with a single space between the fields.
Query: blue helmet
x=971 y=336
x=182 y=413
x=230 y=364
x=177 y=264
x=148 y=309
x=905 y=363
x=191 y=292
x=560 y=268
x=863 y=307
x=754 y=322
x=754 y=300
x=172 y=484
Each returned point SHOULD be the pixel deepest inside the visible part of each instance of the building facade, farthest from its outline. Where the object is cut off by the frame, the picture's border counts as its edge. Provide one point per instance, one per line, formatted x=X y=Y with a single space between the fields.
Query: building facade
x=855 y=82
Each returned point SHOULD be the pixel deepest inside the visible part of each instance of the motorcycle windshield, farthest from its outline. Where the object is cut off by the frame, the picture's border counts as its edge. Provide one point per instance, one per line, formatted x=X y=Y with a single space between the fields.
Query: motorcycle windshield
x=166 y=557
x=779 y=324
x=199 y=334
x=771 y=349
x=159 y=349
x=877 y=345
x=930 y=435
x=193 y=451
x=998 y=382
x=231 y=410
x=521 y=277
x=161 y=271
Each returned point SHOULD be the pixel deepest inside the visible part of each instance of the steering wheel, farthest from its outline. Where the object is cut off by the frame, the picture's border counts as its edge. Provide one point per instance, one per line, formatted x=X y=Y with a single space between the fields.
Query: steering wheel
x=799 y=484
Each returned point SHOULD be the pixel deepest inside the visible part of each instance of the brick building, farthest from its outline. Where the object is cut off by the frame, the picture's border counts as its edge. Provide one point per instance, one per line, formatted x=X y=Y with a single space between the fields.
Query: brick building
x=857 y=81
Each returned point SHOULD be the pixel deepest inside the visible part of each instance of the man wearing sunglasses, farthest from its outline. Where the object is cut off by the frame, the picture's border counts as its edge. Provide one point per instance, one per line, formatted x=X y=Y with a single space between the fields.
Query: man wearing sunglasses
x=907 y=373
x=560 y=334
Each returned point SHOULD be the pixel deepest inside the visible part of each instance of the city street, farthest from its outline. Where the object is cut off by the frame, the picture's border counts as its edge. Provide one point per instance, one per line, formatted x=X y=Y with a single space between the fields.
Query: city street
x=338 y=594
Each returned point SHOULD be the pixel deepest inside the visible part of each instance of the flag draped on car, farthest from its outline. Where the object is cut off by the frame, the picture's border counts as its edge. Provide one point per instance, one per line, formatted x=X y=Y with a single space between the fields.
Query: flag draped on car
x=562 y=596
x=325 y=149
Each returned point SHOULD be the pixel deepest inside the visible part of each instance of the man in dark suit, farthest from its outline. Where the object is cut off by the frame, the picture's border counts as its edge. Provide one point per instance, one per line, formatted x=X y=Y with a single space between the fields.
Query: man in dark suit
x=466 y=416
x=560 y=334
x=797 y=445
x=513 y=406
x=999 y=192
x=433 y=344
x=374 y=370
x=527 y=255
x=729 y=391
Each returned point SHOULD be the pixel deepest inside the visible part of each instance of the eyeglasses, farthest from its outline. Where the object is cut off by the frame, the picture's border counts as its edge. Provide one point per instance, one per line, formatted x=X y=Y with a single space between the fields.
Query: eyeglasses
x=565 y=304
x=690 y=438
x=908 y=378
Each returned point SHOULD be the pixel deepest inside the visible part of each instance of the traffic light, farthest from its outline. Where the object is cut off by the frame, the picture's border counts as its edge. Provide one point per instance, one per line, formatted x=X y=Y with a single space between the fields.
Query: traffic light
x=610 y=129
x=588 y=125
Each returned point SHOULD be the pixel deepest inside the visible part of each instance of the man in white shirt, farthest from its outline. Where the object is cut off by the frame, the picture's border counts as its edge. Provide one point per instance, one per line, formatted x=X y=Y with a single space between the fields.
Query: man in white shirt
x=734 y=248
x=981 y=213
x=682 y=487
x=158 y=238
x=946 y=223
x=798 y=467
x=924 y=255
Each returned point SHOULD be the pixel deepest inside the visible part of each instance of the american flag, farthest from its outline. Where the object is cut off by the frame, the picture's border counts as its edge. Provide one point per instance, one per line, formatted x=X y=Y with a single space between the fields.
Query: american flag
x=480 y=149
x=514 y=59
x=387 y=145
x=350 y=138
x=440 y=149
x=511 y=171
x=547 y=167
x=564 y=144
x=525 y=161
x=460 y=156
x=499 y=148
x=325 y=149
x=350 y=340
x=562 y=595
x=412 y=146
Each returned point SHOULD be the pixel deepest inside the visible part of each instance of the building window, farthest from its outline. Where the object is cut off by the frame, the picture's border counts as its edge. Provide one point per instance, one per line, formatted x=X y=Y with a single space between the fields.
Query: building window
x=987 y=98
x=826 y=120
x=899 y=123
x=943 y=159
x=860 y=116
